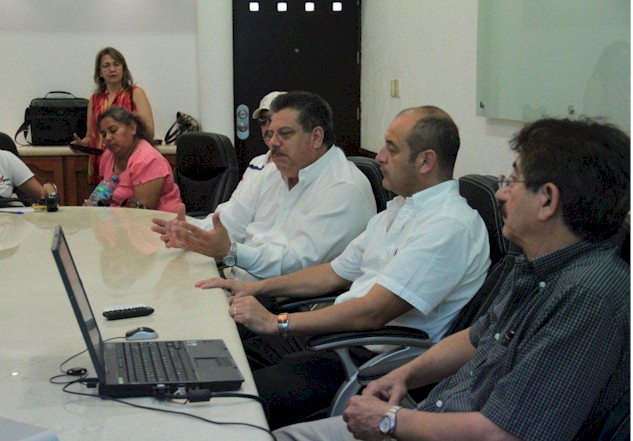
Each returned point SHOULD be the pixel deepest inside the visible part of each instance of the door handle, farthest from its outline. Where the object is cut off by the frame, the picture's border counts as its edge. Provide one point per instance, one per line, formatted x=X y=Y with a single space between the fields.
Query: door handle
x=242 y=122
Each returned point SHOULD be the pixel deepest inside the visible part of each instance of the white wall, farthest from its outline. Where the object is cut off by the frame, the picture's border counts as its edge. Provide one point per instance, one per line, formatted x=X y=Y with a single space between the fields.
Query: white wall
x=431 y=47
x=179 y=51
x=51 y=45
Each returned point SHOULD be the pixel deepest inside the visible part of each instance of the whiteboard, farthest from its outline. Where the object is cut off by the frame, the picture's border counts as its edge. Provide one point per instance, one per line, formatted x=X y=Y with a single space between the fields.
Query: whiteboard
x=556 y=58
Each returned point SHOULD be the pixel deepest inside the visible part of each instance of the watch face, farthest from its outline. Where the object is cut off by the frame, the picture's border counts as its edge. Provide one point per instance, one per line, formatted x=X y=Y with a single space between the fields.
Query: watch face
x=229 y=260
x=385 y=425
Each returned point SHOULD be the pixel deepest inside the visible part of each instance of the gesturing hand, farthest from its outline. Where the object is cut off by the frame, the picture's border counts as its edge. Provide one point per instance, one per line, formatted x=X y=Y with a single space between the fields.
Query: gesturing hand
x=163 y=227
x=214 y=243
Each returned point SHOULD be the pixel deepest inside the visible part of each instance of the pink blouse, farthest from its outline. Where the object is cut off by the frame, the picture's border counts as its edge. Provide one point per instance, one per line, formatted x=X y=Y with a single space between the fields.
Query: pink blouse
x=144 y=165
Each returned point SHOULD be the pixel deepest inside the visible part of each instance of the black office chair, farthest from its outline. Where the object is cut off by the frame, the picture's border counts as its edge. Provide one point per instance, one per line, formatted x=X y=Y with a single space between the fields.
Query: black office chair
x=6 y=143
x=479 y=191
x=206 y=171
x=614 y=425
x=371 y=169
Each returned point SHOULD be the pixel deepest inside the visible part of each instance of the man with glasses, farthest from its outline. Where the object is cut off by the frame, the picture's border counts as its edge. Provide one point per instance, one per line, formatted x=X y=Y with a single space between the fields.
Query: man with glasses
x=550 y=358
x=302 y=211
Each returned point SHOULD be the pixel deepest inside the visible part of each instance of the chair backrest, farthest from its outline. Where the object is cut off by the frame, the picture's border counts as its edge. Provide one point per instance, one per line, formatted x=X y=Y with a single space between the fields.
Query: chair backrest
x=613 y=425
x=6 y=143
x=371 y=169
x=479 y=191
x=623 y=240
x=206 y=171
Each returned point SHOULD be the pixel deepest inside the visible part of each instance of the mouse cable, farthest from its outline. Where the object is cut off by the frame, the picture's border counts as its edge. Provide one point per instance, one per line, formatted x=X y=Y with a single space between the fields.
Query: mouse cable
x=175 y=412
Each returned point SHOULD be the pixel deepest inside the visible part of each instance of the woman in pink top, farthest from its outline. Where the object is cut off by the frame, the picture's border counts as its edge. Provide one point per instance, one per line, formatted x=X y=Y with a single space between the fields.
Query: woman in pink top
x=143 y=171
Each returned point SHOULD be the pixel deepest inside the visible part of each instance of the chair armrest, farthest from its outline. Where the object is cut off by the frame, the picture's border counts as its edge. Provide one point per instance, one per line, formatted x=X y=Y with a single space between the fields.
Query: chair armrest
x=389 y=335
x=370 y=373
x=294 y=305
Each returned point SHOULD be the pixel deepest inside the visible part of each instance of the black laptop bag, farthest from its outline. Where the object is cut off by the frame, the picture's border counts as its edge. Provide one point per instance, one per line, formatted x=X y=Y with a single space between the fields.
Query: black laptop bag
x=53 y=120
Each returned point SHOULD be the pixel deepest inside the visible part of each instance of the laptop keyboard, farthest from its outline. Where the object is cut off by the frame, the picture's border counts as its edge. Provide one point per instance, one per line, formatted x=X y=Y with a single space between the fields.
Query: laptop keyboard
x=152 y=362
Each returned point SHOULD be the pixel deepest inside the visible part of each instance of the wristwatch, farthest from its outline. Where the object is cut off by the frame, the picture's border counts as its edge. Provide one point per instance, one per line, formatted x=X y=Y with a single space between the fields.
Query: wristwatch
x=388 y=423
x=283 y=324
x=231 y=257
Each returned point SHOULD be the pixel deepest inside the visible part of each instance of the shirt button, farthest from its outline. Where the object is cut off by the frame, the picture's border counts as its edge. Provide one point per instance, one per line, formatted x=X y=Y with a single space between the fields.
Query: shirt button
x=497 y=336
x=439 y=403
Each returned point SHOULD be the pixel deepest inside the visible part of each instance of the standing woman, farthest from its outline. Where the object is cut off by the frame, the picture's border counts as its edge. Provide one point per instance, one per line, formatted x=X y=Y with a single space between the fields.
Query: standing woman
x=115 y=87
x=143 y=171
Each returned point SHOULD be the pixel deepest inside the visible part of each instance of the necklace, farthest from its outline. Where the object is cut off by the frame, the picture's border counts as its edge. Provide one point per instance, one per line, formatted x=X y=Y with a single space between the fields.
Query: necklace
x=120 y=166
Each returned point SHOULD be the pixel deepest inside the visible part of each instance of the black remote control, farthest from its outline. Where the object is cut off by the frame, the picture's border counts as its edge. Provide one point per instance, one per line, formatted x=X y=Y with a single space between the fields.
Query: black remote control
x=123 y=312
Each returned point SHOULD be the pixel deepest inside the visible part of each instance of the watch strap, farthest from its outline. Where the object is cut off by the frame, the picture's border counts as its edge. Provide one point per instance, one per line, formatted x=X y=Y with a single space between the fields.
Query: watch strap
x=391 y=414
x=231 y=257
x=283 y=323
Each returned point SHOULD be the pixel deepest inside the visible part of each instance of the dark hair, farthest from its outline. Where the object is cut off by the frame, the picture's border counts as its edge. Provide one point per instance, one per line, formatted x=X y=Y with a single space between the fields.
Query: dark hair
x=127 y=80
x=588 y=162
x=435 y=131
x=124 y=116
x=314 y=111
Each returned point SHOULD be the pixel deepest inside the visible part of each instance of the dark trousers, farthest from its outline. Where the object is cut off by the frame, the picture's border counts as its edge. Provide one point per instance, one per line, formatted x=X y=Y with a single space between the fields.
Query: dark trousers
x=295 y=384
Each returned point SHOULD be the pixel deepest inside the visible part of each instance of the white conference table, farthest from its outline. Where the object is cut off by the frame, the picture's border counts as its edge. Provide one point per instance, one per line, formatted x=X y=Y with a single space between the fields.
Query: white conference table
x=121 y=262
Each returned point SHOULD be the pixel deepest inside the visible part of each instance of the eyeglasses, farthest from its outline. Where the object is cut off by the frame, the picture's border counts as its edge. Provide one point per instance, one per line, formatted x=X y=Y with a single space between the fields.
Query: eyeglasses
x=108 y=66
x=262 y=120
x=506 y=182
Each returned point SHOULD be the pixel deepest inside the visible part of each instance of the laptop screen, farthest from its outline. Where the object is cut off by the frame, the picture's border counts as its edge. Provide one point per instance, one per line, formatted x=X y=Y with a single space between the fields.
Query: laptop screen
x=78 y=299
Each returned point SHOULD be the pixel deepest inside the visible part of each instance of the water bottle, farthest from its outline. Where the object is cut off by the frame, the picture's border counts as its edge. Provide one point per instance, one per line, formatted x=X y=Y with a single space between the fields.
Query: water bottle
x=102 y=194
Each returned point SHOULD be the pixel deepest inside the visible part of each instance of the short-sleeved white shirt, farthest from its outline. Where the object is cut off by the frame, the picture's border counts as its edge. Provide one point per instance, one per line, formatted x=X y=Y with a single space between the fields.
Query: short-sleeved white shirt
x=430 y=249
x=13 y=173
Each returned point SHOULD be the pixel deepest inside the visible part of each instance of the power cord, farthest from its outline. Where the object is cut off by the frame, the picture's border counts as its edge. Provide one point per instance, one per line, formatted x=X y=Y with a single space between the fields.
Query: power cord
x=193 y=396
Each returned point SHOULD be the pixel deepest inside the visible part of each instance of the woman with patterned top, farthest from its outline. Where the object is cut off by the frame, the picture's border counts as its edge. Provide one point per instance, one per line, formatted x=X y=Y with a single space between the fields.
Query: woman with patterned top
x=115 y=87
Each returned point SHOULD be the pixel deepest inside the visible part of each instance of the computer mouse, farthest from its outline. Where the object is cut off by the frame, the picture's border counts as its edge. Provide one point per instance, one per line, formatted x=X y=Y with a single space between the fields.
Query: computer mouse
x=142 y=333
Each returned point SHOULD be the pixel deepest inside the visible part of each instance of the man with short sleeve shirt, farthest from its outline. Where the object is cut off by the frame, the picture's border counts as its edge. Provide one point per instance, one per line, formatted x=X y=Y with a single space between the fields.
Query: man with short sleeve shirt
x=14 y=174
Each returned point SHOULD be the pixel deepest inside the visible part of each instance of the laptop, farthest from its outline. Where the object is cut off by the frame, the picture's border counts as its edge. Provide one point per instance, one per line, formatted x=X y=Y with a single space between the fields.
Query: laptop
x=144 y=368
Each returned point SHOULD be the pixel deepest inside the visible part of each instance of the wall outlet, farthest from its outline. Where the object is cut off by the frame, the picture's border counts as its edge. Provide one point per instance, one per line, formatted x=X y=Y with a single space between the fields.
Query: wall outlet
x=395 y=88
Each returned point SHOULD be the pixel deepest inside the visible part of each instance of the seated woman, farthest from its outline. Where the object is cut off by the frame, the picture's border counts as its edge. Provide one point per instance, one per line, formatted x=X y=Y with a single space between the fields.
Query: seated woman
x=143 y=171
x=14 y=174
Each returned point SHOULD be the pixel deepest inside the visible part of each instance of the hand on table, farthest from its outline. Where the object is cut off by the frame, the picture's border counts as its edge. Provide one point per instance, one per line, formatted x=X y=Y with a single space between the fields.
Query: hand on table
x=252 y=314
x=235 y=287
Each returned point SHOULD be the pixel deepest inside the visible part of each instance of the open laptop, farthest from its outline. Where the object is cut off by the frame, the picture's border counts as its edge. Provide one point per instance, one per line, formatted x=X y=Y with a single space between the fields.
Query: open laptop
x=197 y=364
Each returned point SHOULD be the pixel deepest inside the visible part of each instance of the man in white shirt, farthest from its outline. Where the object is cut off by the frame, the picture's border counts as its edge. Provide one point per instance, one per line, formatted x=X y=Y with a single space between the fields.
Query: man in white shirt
x=417 y=264
x=303 y=211
x=14 y=174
